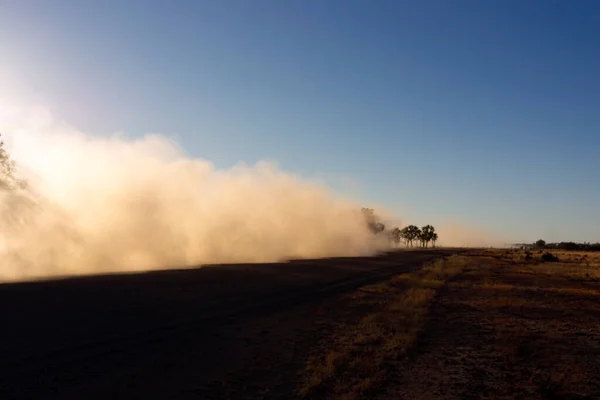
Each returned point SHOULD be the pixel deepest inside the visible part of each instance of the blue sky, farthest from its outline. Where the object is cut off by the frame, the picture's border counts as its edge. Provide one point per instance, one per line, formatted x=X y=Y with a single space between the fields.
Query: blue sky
x=483 y=112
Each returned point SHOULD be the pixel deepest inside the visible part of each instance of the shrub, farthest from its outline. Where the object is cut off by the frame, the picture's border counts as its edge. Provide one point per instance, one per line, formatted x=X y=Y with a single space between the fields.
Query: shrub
x=549 y=257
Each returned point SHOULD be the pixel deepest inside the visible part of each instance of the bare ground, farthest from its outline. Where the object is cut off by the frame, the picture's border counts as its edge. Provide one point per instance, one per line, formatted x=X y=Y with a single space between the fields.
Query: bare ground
x=224 y=332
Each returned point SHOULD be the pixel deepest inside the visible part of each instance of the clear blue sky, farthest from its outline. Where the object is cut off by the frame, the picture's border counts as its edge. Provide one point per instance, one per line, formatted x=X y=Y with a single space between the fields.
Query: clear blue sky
x=484 y=112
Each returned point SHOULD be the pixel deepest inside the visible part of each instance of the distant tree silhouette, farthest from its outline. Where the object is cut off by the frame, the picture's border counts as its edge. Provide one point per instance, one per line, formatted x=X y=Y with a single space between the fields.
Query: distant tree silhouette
x=540 y=244
x=572 y=246
x=373 y=221
x=412 y=233
x=404 y=236
x=396 y=235
x=8 y=181
x=421 y=238
x=426 y=236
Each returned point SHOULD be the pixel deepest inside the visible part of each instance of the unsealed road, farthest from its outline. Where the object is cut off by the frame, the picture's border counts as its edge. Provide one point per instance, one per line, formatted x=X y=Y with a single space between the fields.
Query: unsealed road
x=229 y=331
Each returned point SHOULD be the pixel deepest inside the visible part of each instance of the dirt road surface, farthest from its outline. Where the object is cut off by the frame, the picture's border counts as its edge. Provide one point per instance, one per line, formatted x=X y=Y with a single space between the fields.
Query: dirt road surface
x=222 y=332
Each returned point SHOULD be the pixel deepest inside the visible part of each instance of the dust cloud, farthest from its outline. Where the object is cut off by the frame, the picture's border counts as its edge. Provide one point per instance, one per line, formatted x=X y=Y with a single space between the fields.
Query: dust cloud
x=96 y=205
x=455 y=234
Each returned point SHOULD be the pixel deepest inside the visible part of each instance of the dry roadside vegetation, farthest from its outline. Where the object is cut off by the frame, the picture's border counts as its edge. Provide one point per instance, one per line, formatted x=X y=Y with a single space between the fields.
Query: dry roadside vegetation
x=362 y=352
x=485 y=324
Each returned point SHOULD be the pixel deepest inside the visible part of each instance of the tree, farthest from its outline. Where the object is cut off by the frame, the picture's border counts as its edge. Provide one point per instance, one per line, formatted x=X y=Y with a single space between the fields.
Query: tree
x=434 y=238
x=373 y=221
x=396 y=235
x=540 y=244
x=411 y=233
x=404 y=235
x=8 y=181
x=427 y=233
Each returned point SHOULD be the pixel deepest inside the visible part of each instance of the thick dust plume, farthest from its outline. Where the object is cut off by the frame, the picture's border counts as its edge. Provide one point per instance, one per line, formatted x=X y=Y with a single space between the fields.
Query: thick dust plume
x=95 y=205
x=455 y=234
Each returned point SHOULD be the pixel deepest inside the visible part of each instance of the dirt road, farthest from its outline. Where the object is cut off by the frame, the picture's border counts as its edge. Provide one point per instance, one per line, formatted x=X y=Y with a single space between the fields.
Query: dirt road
x=222 y=332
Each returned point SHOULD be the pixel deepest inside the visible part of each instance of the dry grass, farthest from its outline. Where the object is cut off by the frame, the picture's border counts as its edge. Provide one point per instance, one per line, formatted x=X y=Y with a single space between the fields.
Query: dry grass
x=356 y=360
x=507 y=325
x=511 y=328
x=579 y=265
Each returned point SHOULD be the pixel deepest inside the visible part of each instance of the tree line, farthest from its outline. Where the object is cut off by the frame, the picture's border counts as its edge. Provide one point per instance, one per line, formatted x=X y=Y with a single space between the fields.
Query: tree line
x=541 y=244
x=409 y=235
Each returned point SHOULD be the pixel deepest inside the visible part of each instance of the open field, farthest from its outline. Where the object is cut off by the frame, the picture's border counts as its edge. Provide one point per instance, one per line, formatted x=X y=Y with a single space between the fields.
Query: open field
x=481 y=325
x=420 y=324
